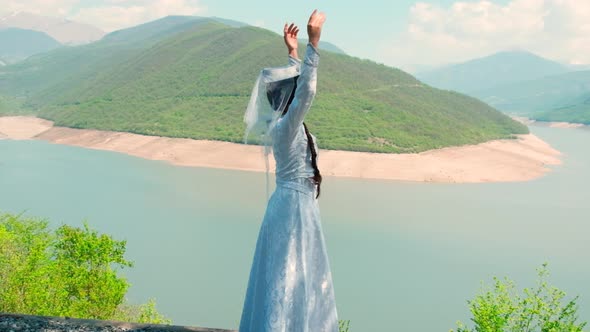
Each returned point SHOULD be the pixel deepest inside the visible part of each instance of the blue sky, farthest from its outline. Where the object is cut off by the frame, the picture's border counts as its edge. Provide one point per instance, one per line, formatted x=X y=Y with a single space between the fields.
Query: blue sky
x=401 y=33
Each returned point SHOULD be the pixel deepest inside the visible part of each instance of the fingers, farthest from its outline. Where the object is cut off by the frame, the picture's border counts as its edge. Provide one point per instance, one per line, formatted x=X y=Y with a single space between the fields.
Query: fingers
x=291 y=29
x=287 y=30
x=317 y=18
x=314 y=27
x=315 y=12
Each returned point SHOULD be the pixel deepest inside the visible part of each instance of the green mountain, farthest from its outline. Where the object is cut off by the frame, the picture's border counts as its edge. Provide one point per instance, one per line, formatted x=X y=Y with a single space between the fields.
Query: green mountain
x=42 y=78
x=327 y=46
x=574 y=111
x=495 y=70
x=193 y=79
x=537 y=96
x=18 y=44
x=231 y=23
x=55 y=69
x=520 y=83
x=153 y=31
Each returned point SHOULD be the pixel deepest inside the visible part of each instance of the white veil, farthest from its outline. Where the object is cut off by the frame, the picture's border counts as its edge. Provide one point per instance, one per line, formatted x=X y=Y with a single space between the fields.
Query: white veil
x=273 y=85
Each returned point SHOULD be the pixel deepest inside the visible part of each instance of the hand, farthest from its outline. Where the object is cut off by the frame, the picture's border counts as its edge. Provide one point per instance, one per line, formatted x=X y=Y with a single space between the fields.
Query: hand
x=290 y=37
x=314 y=27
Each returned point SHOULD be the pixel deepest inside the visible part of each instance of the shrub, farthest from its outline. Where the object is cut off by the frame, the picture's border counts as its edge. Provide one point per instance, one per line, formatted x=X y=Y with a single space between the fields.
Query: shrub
x=67 y=272
x=500 y=308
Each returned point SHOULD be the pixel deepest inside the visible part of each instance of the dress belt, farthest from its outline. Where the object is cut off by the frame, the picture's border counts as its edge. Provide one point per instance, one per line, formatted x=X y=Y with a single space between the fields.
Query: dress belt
x=307 y=188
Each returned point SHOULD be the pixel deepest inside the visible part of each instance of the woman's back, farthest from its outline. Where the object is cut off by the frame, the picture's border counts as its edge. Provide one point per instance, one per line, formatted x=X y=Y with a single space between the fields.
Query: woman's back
x=292 y=154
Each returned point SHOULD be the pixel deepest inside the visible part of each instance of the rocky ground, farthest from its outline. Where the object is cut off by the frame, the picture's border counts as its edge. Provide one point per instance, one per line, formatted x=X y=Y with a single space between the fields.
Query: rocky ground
x=26 y=323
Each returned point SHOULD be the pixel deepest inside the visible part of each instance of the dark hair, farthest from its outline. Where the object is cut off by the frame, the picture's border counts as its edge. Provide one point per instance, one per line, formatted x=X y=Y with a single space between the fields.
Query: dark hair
x=276 y=93
x=317 y=177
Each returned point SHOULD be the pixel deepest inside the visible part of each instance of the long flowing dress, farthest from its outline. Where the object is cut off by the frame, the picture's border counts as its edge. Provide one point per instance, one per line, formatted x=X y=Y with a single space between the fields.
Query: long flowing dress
x=290 y=287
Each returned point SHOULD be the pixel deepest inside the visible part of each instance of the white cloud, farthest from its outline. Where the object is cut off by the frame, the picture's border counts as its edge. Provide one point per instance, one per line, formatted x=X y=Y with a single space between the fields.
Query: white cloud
x=107 y=15
x=57 y=8
x=121 y=14
x=557 y=29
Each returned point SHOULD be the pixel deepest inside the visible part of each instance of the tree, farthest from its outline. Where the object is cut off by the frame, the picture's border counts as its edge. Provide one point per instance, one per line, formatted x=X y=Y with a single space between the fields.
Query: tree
x=500 y=308
x=67 y=272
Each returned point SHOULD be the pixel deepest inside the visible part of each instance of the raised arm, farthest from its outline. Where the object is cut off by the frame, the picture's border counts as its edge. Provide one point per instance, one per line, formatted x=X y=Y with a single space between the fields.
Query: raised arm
x=306 y=84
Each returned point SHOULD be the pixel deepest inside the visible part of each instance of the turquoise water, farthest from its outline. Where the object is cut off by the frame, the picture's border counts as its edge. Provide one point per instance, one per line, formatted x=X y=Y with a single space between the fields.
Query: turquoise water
x=405 y=256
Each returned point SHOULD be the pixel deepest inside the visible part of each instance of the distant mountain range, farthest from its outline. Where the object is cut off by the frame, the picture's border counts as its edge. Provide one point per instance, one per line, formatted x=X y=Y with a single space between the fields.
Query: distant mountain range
x=64 y=31
x=18 y=44
x=192 y=77
x=575 y=111
x=495 y=70
x=520 y=83
x=538 y=95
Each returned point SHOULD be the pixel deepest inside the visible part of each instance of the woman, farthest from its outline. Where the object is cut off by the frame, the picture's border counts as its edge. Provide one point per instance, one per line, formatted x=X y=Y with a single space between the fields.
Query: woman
x=290 y=287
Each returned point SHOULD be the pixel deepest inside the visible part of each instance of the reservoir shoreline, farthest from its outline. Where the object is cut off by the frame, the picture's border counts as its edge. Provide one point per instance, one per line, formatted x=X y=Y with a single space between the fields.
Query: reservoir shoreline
x=550 y=124
x=522 y=159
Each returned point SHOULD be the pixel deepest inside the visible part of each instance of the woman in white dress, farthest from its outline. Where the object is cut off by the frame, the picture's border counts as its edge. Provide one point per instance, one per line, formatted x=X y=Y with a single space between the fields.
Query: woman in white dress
x=290 y=286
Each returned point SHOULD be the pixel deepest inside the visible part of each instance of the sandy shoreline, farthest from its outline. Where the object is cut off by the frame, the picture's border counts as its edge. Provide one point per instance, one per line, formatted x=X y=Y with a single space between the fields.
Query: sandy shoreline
x=565 y=125
x=550 y=124
x=521 y=159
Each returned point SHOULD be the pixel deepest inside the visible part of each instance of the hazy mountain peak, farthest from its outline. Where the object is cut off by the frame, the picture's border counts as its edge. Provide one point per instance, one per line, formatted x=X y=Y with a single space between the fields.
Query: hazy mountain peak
x=63 y=30
x=17 y=44
x=497 y=69
x=519 y=52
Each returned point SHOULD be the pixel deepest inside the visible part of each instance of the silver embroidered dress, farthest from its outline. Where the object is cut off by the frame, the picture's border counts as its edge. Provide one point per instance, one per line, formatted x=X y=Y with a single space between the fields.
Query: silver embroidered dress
x=290 y=287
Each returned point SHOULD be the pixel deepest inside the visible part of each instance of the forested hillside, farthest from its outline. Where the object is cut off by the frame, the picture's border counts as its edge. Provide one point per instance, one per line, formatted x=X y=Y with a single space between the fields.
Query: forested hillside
x=193 y=78
x=521 y=83
x=538 y=95
x=576 y=111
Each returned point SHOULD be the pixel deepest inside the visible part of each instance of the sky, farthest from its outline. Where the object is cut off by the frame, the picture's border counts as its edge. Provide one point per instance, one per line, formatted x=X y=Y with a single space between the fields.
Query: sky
x=412 y=35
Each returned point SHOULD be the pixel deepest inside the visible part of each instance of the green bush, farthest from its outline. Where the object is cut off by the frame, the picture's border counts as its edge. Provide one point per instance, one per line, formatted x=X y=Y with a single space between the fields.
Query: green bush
x=343 y=326
x=500 y=308
x=65 y=272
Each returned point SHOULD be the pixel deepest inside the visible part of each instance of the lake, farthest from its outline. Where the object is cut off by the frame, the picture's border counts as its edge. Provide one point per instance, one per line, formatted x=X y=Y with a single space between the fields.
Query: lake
x=405 y=256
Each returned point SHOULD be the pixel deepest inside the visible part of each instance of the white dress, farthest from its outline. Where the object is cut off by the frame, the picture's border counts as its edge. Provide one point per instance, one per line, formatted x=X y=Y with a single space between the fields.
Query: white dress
x=290 y=287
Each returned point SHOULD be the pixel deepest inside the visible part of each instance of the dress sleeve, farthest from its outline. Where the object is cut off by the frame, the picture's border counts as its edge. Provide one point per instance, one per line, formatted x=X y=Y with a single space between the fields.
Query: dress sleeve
x=304 y=94
x=294 y=62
